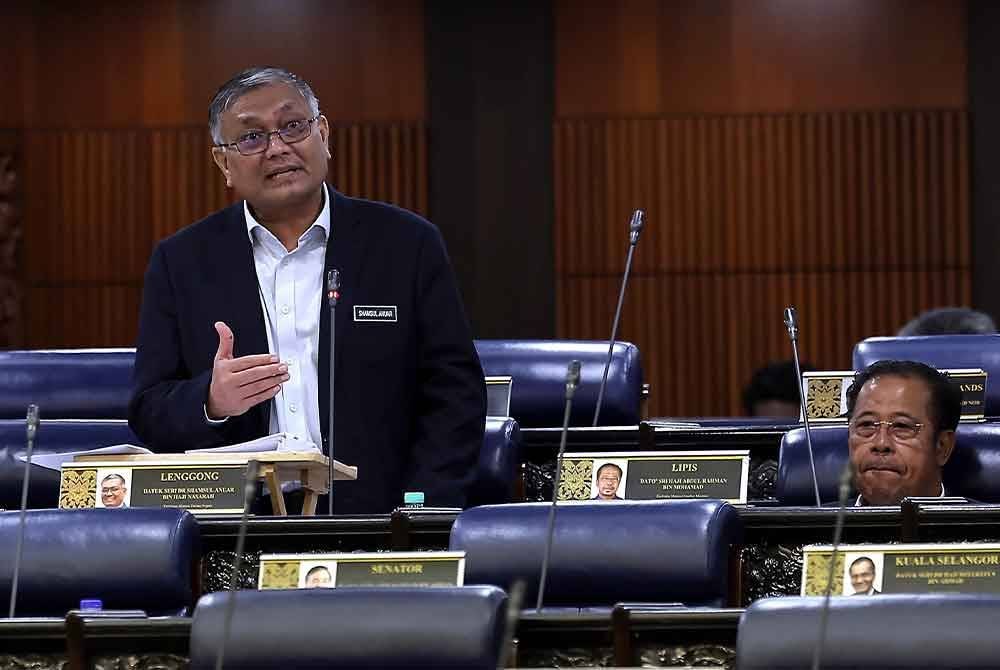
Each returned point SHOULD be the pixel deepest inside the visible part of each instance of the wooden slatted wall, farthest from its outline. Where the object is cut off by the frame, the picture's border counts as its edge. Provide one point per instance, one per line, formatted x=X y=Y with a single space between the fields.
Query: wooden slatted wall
x=96 y=201
x=859 y=219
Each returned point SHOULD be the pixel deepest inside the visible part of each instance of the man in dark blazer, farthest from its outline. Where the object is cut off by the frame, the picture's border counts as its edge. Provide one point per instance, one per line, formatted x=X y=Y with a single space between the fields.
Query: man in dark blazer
x=212 y=357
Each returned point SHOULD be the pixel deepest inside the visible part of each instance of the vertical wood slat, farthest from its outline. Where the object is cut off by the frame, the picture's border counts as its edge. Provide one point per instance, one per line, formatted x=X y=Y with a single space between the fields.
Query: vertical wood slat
x=96 y=201
x=860 y=219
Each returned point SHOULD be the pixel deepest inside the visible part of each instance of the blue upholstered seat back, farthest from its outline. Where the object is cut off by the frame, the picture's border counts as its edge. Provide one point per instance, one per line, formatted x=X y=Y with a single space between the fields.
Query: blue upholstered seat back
x=973 y=470
x=357 y=628
x=128 y=558
x=912 y=632
x=942 y=352
x=66 y=383
x=499 y=460
x=538 y=369
x=604 y=553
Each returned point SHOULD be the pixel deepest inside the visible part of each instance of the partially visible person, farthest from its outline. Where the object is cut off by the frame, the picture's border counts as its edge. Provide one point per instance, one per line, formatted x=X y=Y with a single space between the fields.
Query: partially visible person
x=949 y=321
x=862 y=572
x=901 y=430
x=773 y=391
x=318 y=577
x=113 y=491
x=609 y=478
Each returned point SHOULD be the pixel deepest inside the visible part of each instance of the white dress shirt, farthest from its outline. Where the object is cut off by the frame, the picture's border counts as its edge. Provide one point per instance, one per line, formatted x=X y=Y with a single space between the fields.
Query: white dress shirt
x=291 y=294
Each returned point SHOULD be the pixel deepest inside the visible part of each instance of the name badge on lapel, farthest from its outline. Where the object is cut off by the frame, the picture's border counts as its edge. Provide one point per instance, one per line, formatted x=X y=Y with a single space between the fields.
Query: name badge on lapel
x=378 y=313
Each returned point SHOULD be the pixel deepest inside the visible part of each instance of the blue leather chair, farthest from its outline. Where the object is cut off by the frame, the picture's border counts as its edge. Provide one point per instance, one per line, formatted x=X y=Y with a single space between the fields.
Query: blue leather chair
x=357 y=628
x=911 y=632
x=942 y=352
x=538 y=369
x=973 y=471
x=498 y=465
x=128 y=558
x=66 y=383
x=604 y=553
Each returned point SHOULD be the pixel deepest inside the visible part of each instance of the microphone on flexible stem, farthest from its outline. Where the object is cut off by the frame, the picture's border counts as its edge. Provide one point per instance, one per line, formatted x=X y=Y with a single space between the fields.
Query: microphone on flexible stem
x=572 y=381
x=332 y=296
x=32 y=430
x=793 y=333
x=249 y=490
x=844 y=491
x=634 y=228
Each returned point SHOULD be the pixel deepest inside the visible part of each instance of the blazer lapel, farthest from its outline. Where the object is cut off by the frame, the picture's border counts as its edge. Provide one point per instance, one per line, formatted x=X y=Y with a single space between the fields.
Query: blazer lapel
x=344 y=252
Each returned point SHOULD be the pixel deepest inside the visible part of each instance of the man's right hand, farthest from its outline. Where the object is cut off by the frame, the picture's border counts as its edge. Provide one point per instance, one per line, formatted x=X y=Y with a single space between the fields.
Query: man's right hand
x=240 y=383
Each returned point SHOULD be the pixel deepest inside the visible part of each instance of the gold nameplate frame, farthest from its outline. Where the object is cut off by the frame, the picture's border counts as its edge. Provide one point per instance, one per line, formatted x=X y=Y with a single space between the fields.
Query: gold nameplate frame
x=412 y=568
x=655 y=475
x=204 y=484
x=826 y=394
x=871 y=569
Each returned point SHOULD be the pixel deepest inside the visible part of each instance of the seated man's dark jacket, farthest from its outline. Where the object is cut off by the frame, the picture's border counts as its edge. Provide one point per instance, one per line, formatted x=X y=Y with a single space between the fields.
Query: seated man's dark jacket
x=410 y=397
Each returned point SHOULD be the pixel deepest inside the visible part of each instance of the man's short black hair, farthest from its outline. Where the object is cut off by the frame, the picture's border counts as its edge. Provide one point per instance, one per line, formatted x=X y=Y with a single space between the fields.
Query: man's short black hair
x=609 y=465
x=314 y=570
x=946 y=397
x=949 y=321
x=858 y=560
x=774 y=381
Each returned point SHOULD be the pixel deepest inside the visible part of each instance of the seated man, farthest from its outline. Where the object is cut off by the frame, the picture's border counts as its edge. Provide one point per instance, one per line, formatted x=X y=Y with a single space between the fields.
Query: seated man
x=773 y=391
x=949 y=321
x=903 y=417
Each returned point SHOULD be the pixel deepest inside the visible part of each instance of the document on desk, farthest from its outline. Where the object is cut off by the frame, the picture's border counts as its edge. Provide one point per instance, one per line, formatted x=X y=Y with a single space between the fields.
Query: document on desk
x=279 y=442
x=55 y=461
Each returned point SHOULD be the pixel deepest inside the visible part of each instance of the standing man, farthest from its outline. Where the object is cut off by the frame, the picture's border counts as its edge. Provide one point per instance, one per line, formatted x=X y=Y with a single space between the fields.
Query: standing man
x=234 y=333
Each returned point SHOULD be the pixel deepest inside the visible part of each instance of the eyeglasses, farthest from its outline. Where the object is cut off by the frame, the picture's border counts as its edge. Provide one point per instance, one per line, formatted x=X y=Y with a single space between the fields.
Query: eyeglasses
x=900 y=430
x=257 y=141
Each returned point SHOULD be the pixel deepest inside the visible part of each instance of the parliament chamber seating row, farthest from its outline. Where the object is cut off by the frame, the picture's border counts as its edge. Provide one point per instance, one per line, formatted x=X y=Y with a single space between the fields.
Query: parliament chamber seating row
x=636 y=582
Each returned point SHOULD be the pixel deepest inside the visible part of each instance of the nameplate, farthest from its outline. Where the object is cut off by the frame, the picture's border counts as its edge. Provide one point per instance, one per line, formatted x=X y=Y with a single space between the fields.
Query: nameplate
x=870 y=569
x=380 y=313
x=655 y=475
x=309 y=571
x=201 y=487
x=826 y=394
x=498 y=391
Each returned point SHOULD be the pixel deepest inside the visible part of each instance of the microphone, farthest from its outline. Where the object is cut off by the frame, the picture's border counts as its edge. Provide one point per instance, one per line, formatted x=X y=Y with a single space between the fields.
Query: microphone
x=249 y=490
x=572 y=381
x=32 y=430
x=844 y=491
x=791 y=323
x=332 y=296
x=634 y=228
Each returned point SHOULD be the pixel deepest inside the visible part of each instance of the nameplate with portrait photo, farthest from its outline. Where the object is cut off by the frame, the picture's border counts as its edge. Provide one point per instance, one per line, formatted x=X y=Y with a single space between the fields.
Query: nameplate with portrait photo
x=826 y=394
x=410 y=568
x=655 y=475
x=873 y=569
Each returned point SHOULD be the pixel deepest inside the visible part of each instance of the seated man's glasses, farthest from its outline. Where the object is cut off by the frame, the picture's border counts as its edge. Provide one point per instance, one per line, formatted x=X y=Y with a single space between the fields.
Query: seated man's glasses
x=257 y=141
x=899 y=429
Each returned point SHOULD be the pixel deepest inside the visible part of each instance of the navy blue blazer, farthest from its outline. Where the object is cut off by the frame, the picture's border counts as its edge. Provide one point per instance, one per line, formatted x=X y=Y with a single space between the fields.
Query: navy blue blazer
x=410 y=394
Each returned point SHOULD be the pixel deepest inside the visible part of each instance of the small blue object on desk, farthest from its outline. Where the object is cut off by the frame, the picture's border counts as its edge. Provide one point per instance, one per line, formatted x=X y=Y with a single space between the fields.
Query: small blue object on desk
x=413 y=499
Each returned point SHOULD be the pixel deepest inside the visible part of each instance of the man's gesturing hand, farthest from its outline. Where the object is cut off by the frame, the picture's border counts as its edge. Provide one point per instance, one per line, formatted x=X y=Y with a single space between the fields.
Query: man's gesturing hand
x=240 y=383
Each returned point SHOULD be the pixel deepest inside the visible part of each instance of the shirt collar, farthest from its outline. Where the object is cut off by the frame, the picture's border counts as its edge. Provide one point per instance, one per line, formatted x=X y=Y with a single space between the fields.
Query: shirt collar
x=858 y=503
x=322 y=221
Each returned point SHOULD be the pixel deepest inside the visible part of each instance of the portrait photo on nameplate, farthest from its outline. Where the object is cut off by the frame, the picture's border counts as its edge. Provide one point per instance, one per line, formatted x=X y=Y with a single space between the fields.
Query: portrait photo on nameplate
x=200 y=488
x=826 y=394
x=655 y=475
x=873 y=569
x=411 y=568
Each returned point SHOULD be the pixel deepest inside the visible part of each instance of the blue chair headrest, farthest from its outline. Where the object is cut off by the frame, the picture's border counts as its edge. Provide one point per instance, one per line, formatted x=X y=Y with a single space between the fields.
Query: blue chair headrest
x=942 y=352
x=972 y=471
x=538 y=369
x=358 y=628
x=53 y=437
x=877 y=632
x=604 y=553
x=67 y=383
x=128 y=558
x=498 y=463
